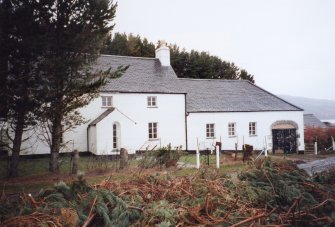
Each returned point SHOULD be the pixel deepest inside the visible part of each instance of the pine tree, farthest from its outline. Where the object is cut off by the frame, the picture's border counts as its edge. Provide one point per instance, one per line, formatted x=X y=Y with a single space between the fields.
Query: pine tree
x=76 y=32
x=192 y=64
x=21 y=47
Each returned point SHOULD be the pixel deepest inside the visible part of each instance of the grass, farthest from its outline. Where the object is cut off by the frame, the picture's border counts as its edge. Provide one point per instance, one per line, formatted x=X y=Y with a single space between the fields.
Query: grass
x=31 y=167
x=34 y=175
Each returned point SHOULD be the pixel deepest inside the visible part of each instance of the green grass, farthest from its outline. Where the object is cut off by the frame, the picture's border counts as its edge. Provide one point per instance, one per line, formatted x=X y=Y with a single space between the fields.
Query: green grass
x=191 y=159
x=96 y=170
x=31 y=167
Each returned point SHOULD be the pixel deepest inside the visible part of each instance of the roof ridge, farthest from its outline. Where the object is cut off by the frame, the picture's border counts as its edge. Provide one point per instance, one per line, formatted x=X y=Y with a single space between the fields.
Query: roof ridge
x=121 y=56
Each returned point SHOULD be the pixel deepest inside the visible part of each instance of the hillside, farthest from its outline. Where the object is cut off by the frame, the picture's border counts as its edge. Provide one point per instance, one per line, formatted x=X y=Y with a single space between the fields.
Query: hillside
x=321 y=108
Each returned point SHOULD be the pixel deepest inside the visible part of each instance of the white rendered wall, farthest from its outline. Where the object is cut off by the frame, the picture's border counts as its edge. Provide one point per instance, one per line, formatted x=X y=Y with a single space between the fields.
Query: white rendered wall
x=92 y=135
x=196 y=123
x=169 y=113
x=131 y=108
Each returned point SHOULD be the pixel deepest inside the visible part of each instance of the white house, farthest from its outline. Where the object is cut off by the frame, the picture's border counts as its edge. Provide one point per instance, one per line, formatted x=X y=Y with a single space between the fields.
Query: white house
x=149 y=107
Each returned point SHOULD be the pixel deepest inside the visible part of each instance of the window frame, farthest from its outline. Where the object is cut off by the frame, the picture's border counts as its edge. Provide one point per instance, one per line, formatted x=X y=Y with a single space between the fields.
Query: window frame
x=153 y=130
x=253 y=128
x=232 y=129
x=152 y=101
x=115 y=137
x=210 y=130
x=106 y=101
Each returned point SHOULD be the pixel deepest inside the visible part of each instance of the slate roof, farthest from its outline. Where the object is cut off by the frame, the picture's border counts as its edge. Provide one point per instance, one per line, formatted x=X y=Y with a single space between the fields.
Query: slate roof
x=143 y=75
x=311 y=121
x=146 y=75
x=102 y=116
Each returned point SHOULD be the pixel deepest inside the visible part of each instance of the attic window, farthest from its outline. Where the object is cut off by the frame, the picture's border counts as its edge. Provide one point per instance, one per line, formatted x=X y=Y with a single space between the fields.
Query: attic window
x=152 y=101
x=107 y=101
x=210 y=130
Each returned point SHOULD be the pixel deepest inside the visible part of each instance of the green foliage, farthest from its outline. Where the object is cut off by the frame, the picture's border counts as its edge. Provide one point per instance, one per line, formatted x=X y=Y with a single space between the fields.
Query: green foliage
x=164 y=156
x=268 y=185
x=161 y=213
x=109 y=209
x=192 y=64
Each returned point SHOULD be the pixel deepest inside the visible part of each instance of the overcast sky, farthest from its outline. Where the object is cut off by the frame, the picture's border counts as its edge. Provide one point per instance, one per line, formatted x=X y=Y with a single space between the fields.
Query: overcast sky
x=288 y=45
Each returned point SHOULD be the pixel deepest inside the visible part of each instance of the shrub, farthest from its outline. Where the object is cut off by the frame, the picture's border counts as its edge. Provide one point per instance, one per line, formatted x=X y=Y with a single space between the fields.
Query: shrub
x=321 y=135
x=164 y=156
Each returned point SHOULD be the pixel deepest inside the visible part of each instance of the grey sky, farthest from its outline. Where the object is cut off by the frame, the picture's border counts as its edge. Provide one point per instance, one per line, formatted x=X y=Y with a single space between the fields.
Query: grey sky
x=288 y=45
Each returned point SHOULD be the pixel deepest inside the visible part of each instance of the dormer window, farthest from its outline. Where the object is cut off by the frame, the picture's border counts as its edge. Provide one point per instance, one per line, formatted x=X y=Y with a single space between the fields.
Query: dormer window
x=152 y=101
x=107 y=101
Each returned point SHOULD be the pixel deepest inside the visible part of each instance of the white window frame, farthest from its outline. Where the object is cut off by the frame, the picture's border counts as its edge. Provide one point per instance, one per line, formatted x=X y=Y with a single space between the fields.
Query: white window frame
x=253 y=128
x=210 y=130
x=152 y=101
x=107 y=101
x=232 y=129
x=153 y=130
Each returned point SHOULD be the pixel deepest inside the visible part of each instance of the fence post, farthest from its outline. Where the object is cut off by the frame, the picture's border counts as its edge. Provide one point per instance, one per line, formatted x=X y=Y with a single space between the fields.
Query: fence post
x=198 y=158
x=266 y=148
x=217 y=154
x=316 y=147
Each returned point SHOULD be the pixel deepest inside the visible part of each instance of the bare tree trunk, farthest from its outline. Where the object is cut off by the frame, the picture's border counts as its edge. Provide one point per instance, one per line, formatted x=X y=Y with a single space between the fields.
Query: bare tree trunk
x=14 y=159
x=55 y=144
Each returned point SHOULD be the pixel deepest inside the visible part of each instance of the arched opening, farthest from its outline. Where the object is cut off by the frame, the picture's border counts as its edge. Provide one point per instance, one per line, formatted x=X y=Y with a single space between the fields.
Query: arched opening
x=284 y=136
x=116 y=136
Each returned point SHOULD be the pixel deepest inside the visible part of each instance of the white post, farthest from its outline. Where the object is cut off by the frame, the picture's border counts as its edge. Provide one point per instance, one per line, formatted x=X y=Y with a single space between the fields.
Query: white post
x=316 y=148
x=266 y=147
x=197 y=155
x=217 y=153
x=333 y=143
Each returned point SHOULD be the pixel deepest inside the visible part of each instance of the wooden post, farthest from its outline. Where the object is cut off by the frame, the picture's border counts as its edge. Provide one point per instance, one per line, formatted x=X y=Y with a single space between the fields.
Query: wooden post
x=74 y=162
x=123 y=158
x=236 y=151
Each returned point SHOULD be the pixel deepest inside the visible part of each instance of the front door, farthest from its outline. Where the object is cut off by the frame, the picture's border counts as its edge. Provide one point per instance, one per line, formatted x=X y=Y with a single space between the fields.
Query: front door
x=284 y=139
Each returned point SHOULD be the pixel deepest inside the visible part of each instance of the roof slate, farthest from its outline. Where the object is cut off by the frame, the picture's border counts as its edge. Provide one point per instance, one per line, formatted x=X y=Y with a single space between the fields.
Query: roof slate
x=312 y=121
x=101 y=117
x=146 y=75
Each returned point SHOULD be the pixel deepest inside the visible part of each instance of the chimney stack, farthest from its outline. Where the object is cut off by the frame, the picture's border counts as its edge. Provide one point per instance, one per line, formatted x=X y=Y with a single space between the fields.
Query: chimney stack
x=163 y=54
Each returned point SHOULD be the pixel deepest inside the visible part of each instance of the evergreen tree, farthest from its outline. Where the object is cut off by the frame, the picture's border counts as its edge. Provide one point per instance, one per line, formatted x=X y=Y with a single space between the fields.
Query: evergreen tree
x=76 y=31
x=21 y=47
x=192 y=64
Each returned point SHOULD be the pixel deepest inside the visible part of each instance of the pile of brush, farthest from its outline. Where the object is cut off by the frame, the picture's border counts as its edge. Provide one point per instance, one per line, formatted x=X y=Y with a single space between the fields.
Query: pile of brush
x=268 y=193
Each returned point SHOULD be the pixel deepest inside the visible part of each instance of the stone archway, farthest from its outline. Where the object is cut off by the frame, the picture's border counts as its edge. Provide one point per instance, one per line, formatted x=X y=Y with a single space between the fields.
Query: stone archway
x=284 y=125
x=284 y=136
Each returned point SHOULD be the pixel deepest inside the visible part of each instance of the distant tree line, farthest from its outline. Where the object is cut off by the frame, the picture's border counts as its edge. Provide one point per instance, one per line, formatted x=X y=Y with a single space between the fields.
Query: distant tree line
x=192 y=64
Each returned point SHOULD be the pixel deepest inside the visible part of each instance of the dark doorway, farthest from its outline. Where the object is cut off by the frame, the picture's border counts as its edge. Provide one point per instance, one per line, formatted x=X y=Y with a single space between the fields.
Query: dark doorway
x=284 y=139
